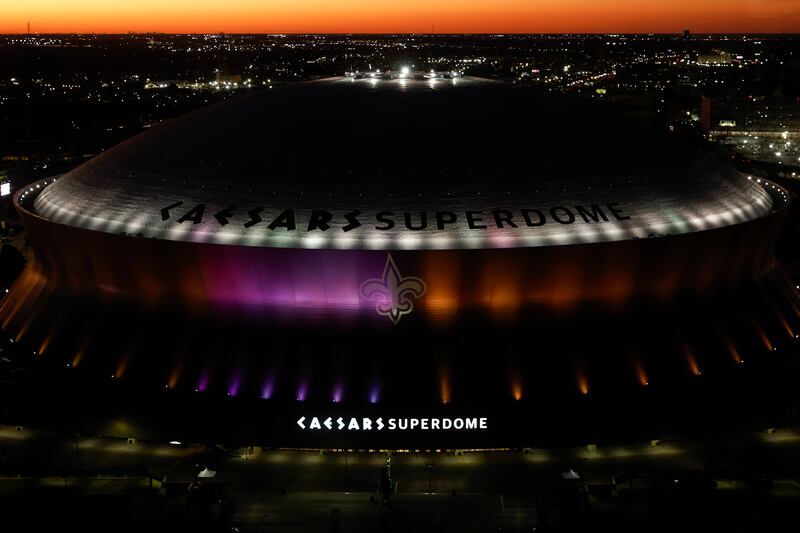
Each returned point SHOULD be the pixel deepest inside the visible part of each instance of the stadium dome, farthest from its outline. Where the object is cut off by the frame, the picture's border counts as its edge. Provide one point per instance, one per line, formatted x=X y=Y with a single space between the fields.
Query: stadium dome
x=409 y=164
x=406 y=244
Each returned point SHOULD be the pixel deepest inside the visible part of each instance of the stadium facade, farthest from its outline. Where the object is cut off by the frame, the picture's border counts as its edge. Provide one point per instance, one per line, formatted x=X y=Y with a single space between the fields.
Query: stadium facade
x=343 y=262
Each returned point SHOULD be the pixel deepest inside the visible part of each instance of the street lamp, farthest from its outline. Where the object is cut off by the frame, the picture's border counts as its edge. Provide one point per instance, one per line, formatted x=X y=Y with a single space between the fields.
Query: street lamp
x=430 y=470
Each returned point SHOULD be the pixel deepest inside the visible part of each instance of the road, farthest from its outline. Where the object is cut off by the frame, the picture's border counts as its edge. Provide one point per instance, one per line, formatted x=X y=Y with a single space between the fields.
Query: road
x=283 y=490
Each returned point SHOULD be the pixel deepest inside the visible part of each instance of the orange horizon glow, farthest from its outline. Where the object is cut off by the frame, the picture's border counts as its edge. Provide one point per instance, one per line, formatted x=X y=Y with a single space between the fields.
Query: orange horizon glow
x=392 y=16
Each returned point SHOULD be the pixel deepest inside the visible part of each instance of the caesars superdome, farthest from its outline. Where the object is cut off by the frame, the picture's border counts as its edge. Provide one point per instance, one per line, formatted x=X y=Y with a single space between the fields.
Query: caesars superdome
x=413 y=249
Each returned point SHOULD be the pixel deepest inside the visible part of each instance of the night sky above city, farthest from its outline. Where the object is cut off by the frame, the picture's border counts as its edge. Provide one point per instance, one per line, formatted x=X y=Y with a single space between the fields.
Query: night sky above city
x=411 y=16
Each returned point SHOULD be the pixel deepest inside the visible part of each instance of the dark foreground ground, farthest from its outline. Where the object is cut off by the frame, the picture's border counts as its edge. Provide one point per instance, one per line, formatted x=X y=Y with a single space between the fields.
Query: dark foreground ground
x=53 y=482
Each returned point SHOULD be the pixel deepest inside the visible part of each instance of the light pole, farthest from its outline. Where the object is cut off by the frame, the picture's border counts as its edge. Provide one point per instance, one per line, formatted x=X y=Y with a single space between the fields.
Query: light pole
x=502 y=511
x=430 y=469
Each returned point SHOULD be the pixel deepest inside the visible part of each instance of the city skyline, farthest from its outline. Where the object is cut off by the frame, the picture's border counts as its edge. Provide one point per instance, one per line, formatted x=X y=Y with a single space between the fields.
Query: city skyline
x=414 y=16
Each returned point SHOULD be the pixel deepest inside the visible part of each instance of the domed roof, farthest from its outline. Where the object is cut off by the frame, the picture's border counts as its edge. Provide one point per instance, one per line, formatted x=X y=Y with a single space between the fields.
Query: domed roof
x=404 y=164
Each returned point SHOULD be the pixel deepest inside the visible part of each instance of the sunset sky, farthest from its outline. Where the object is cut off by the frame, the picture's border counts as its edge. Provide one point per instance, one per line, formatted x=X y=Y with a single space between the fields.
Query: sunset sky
x=390 y=16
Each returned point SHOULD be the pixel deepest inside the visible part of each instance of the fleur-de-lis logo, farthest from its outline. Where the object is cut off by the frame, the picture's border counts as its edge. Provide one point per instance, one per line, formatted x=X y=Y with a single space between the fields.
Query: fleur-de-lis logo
x=393 y=294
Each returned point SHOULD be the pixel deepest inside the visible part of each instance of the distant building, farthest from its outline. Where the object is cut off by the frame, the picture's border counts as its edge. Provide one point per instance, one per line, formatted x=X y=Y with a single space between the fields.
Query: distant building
x=222 y=78
x=716 y=58
x=705 y=113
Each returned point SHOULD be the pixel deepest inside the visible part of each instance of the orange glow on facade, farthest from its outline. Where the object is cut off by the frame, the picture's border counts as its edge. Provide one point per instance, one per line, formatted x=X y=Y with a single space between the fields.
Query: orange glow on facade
x=638 y=368
x=444 y=384
x=412 y=16
x=177 y=371
x=735 y=355
x=47 y=340
x=615 y=282
x=514 y=377
x=29 y=286
x=691 y=360
x=762 y=335
x=442 y=298
x=583 y=383
x=122 y=366
x=516 y=390
x=52 y=331
x=173 y=377
x=24 y=329
x=505 y=295
x=786 y=327
x=87 y=341
x=641 y=375
x=567 y=285
x=126 y=358
x=501 y=284
x=81 y=353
